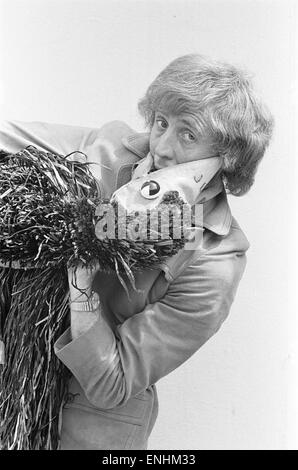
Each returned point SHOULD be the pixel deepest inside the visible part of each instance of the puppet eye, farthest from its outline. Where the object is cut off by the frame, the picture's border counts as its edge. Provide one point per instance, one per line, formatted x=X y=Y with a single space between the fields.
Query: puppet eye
x=150 y=189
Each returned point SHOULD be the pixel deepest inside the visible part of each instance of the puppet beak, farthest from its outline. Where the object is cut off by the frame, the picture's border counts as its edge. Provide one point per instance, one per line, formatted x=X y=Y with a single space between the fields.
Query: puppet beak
x=146 y=192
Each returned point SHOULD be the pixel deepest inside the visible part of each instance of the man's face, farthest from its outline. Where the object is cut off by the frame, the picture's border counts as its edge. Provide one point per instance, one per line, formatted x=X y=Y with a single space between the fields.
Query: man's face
x=178 y=139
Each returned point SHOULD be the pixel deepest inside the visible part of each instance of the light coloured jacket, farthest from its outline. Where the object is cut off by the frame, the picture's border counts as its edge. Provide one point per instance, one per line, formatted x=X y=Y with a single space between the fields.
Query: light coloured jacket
x=117 y=362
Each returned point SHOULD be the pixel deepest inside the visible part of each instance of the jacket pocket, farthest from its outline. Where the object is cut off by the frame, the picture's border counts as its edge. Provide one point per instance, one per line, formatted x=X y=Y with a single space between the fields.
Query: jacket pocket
x=135 y=407
x=86 y=428
x=132 y=412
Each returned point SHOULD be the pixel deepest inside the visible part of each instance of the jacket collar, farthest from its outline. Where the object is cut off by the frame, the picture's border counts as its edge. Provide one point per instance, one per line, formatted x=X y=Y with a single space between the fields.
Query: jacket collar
x=217 y=212
x=138 y=143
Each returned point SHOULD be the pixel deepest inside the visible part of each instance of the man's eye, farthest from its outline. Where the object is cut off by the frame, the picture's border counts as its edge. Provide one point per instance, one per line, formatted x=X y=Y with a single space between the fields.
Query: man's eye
x=161 y=123
x=188 y=137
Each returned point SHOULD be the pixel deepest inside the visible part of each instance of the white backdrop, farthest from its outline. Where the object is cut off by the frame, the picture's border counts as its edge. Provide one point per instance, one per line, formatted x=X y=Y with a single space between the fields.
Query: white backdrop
x=85 y=62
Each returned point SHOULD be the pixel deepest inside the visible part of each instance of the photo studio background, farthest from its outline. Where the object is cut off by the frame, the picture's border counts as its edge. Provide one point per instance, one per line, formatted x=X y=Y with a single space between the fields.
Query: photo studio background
x=86 y=62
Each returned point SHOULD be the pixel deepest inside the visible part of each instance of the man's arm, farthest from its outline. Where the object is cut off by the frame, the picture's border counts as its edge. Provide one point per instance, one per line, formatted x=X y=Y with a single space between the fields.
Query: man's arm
x=152 y=343
x=55 y=138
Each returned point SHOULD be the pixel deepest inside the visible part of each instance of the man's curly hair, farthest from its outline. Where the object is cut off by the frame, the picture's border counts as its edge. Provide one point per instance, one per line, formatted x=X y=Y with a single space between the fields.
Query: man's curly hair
x=222 y=99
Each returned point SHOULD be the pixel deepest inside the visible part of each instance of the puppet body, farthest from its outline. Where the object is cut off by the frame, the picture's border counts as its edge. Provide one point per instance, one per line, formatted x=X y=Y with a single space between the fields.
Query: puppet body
x=51 y=218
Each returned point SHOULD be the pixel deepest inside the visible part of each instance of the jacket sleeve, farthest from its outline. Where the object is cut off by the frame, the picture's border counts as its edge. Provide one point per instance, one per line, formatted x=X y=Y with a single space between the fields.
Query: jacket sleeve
x=157 y=340
x=56 y=138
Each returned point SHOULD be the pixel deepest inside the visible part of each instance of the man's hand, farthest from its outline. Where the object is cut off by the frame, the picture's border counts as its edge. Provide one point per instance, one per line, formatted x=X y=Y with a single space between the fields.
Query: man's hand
x=80 y=281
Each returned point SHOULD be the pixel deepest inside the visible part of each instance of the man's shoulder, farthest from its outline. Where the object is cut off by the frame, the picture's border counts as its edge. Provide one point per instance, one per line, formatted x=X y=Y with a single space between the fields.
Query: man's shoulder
x=115 y=132
x=235 y=241
x=215 y=253
x=108 y=147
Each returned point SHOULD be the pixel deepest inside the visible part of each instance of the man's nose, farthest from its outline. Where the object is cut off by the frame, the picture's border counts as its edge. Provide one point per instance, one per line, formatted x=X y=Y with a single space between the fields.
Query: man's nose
x=165 y=146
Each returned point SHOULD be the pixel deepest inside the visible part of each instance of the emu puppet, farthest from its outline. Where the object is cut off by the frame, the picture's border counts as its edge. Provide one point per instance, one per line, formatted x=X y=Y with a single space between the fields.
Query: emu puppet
x=52 y=217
